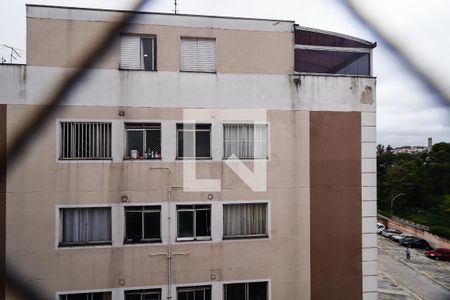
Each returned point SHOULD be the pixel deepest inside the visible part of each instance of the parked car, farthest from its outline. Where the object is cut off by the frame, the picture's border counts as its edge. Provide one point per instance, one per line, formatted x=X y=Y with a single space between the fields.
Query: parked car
x=438 y=254
x=380 y=227
x=389 y=232
x=398 y=237
x=414 y=242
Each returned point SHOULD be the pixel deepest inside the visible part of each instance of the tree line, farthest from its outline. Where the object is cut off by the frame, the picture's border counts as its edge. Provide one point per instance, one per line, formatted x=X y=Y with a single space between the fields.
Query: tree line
x=423 y=178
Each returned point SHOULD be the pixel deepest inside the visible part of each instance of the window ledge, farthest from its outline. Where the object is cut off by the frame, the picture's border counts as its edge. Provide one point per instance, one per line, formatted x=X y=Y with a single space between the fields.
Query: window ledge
x=246 y=237
x=141 y=159
x=92 y=244
x=199 y=72
x=188 y=239
x=194 y=158
x=156 y=241
x=139 y=70
x=86 y=159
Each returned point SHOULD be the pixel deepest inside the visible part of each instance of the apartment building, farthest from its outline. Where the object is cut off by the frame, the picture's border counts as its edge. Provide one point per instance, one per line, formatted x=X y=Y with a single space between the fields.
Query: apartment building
x=202 y=158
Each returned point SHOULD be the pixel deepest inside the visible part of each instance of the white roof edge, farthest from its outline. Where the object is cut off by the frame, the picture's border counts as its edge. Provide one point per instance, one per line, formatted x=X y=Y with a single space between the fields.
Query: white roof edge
x=152 y=18
x=345 y=36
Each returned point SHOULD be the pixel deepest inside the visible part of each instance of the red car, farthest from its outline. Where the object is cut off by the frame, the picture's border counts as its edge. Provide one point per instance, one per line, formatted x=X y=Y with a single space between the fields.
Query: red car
x=438 y=254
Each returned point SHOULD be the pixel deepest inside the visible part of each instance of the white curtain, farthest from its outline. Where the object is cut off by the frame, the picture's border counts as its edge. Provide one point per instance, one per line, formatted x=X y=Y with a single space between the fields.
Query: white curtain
x=82 y=225
x=244 y=219
x=245 y=140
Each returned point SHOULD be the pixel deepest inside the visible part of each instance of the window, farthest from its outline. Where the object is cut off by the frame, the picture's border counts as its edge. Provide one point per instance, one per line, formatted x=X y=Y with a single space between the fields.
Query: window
x=245 y=291
x=142 y=224
x=245 y=220
x=143 y=140
x=85 y=140
x=194 y=222
x=245 y=140
x=138 y=52
x=193 y=140
x=331 y=53
x=194 y=293
x=198 y=55
x=85 y=226
x=153 y=294
x=87 y=296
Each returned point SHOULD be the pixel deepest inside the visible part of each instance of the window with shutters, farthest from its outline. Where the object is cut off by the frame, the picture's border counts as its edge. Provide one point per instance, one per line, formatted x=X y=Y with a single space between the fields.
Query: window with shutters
x=245 y=141
x=85 y=226
x=143 y=140
x=245 y=291
x=85 y=140
x=198 y=55
x=138 y=52
x=244 y=220
x=142 y=224
x=193 y=141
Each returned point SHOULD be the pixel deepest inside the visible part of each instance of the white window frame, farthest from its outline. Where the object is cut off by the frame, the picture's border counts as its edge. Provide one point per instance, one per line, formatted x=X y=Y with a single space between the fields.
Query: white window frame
x=155 y=208
x=268 y=281
x=141 y=55
x=59 y=241
x=146 y=291
x=199 y=59
x=194 y=233
x=144 y=131
x=194 y=130
x=247 y=236
x=196 y=287
x=268 y=140
x=77 y=138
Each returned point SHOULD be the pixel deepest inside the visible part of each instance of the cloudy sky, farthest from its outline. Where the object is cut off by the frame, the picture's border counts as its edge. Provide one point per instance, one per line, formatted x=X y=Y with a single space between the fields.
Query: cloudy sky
x=407 y=112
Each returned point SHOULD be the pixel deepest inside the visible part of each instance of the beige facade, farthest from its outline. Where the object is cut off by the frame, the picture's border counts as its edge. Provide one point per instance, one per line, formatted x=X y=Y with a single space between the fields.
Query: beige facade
x=254 y=64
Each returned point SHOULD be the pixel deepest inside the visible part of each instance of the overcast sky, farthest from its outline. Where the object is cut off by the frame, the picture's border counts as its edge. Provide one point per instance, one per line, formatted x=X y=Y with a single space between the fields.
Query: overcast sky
x=407 y=113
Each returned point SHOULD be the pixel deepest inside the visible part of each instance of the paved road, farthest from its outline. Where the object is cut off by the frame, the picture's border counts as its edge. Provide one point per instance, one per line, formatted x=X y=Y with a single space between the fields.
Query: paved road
x=419 y=278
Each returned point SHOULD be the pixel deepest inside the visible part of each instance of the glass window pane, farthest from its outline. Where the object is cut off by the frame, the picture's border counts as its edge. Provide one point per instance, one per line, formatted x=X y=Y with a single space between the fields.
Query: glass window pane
x=147 y=47
x=133 y=226
x=185 y=143
x=153 y=141
x=234 y=291
x=152 y=225
x=202 y=144
x=257 y=291
x=203 y=223
x=332 y=62
x=135 y=141
x=199 y=295
x=185 y=224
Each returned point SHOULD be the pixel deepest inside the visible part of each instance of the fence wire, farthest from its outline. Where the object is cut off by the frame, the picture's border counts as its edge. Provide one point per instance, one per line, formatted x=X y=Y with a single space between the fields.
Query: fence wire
x=17 y=282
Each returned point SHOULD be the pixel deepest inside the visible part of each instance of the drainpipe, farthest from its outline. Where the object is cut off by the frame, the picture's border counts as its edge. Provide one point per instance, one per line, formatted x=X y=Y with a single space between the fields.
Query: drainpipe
x=169 y=255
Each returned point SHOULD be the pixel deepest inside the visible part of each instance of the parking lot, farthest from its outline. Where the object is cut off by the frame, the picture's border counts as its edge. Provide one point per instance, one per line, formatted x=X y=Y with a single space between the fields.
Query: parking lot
x=417 y=278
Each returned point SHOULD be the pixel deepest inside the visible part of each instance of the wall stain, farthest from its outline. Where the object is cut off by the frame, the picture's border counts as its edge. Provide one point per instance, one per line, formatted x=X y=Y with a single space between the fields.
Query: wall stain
x=367 y=96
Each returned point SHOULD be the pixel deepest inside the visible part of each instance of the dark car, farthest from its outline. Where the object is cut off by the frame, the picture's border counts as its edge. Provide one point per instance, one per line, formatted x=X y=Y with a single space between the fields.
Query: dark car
x=438 y=254
x=415 y=242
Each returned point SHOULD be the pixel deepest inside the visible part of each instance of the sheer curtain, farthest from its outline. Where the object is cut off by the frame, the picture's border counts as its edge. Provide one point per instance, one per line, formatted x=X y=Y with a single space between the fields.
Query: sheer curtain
x=245 y=140
x=83 y=225
x=244 y=219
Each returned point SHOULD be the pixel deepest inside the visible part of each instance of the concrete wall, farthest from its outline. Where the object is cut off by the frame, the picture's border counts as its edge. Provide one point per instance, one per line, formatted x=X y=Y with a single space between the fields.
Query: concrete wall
x=39 y=184
x=61 y=43
x=434 y=240
x=254 y=71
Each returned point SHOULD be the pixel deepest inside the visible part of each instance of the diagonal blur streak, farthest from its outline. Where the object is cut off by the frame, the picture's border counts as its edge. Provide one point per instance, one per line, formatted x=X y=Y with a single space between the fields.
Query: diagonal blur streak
x=17 y=282
x=423 y=74
x=58 y=95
